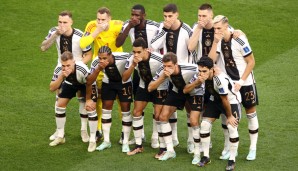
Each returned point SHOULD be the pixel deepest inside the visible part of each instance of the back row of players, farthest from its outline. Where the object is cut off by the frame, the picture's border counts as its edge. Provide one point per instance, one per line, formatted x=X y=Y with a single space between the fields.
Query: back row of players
x=184 y=64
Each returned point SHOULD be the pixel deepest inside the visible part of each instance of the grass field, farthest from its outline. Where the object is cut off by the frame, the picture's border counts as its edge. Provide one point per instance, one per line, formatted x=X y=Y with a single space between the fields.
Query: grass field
x=27 y=106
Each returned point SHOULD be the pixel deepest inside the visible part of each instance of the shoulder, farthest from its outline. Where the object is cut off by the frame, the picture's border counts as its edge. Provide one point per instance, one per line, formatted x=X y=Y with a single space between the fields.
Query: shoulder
x=192 y=67
x=241 y=40
x=90 y=25
x=94 y=62
x=81 y=67
x=186 y=27
x=153 y=23
x=121 y=55
x=78 y=32
x=156 y=56
x=116 y=23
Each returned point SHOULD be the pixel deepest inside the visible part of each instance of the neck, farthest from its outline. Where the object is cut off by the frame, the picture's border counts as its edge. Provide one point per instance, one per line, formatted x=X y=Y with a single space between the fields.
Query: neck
x=146 y=56
x=176 y=70
x=227 y=36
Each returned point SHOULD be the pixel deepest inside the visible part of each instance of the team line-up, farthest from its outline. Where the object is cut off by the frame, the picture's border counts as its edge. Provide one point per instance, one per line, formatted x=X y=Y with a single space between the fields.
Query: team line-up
x=206 y=69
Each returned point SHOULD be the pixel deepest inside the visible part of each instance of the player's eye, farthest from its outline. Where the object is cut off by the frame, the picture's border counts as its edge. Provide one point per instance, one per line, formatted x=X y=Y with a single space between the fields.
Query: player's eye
x=203 y=71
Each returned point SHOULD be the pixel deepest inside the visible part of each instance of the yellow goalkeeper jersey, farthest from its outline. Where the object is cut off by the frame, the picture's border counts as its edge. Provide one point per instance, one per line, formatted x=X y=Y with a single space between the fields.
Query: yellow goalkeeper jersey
x=107 y=38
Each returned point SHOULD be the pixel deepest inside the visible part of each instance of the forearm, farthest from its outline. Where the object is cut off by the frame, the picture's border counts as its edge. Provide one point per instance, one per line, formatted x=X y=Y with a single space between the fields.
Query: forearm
x=189 y=87
x=127 y=73
x=121 y=37
x=227 y=106
x=249 y=67
x=86 y=41
x=194 y=39
x=46 y=44
x=92 y=77
x=154 y=84
x=213 y=54
x=88 y=91
x=54 y=85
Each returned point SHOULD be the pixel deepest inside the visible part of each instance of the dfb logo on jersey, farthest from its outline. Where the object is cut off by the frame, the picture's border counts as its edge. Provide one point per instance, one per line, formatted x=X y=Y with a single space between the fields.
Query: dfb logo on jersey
x=246 y=49
x=221 y=90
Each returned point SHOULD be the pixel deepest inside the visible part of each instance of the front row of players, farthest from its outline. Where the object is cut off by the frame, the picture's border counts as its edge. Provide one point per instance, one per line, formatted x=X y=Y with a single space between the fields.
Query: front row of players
x=156 y=72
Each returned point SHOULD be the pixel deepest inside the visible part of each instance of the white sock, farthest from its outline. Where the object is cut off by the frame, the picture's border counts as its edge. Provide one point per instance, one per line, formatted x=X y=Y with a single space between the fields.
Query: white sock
x=173 y=122
x=154 y=129
x=138 y=124
x=226 y=133
x=205 y=136
x=234 y=141
x=93 y=121
x=143 y=130
x=160 y=137
x=196 y=139
x=166 y=130
x=106 y=120
x=253 y=128
x=126 y=126
x=60 y=120
x=189 y=128
x=83 y=114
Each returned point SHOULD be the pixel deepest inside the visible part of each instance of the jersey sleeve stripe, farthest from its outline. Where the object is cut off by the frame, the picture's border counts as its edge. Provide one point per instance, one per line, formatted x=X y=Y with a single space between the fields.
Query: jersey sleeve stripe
x=240 y=41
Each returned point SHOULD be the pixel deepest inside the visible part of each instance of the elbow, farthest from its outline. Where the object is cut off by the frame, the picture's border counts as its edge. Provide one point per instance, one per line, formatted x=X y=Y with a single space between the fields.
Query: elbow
x=150 y=88
x=52 y=89
x=42 y=48
x=190 y=48
x=82 y=45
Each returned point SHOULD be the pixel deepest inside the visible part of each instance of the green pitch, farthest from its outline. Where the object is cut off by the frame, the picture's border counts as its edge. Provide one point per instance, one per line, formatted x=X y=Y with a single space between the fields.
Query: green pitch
x=27 y=106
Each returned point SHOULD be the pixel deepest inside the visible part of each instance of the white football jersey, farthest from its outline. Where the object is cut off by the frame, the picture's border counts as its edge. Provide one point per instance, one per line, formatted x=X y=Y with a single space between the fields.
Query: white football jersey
x=183 y=55
x=238 y=49
x=187 y=71
x=75 y=44
x=154 y=63
x=151 y=31
x=120 y=61
x=81 y=73
x=223 y=85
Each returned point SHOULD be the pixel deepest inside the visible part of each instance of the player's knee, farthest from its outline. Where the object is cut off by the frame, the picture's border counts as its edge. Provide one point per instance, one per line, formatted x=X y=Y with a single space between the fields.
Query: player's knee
x=205 y=129
x=92 y=115
x=194 y=122
x=233 y=131
x=60 y=111
x=253 y=123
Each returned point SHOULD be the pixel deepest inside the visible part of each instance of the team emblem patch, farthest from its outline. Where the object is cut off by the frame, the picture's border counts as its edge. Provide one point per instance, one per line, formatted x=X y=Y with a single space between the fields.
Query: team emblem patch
x=221 y=90
x=246 y=49
x=208 y=42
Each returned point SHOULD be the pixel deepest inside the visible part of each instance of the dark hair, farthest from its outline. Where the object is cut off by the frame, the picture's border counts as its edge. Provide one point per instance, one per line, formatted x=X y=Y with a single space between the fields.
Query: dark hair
x=140 y=42
x=205 y=61
x=66 y=56
x=170 y=56
x=139 y=7
x=66 y=13
x=105 y=49
x=103 y=10
x=205 y=7
x=170 y=8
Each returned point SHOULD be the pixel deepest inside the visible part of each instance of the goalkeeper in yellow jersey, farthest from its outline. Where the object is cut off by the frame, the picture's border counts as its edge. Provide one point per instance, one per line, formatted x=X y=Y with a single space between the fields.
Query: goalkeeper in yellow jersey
x=101 y=32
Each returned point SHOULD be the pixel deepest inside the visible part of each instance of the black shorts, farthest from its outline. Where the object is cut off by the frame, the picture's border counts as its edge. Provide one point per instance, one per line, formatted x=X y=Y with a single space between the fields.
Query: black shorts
x=176 y=99
x=111 y=90
x=196 y=102
x=214 y=109
x=156 y=96
x=69 y=91
x=249 y=96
